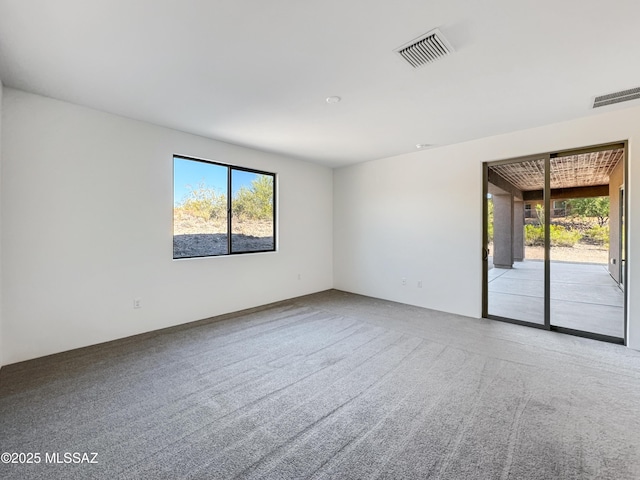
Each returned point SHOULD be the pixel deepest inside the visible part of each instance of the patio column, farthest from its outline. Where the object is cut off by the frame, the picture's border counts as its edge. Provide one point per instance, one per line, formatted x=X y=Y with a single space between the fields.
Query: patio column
x=518 y=230
x=503 y=231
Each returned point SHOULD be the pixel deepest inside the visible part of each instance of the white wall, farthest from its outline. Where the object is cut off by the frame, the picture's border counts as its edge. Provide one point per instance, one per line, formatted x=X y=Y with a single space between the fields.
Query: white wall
x=87 y=226
x=419 y=216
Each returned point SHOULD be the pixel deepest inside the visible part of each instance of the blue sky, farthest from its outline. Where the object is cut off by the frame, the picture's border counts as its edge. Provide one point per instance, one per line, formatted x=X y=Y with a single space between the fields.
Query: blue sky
x=189 y=173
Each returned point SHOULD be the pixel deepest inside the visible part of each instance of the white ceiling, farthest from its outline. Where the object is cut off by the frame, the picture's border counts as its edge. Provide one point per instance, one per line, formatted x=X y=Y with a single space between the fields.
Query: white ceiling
x=256 y=73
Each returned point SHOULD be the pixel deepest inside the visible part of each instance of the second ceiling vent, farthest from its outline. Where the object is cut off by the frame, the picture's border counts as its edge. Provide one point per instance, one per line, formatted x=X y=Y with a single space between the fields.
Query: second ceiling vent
x=425 y=49
x=618 y=97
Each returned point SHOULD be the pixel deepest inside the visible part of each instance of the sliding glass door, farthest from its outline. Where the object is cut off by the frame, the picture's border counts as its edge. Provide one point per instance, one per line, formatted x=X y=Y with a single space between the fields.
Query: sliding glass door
x=554 y=241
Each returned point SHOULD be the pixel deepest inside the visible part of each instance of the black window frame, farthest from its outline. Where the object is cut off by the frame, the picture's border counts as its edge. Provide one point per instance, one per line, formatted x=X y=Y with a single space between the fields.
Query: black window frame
x=230 y=168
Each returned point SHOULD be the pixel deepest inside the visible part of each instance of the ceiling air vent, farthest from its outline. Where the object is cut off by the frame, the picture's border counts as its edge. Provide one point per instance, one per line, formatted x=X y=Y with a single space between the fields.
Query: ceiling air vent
x=425 y=49
x=623 y=96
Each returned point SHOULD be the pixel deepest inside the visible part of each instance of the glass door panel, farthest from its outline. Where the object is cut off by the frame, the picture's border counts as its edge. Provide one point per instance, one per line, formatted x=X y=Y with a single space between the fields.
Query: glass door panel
x=516 y=240
x=585 y=243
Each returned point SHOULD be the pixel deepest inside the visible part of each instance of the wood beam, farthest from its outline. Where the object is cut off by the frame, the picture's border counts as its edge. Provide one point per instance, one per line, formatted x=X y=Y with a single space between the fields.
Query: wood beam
x=567 y=193
x=500 y=182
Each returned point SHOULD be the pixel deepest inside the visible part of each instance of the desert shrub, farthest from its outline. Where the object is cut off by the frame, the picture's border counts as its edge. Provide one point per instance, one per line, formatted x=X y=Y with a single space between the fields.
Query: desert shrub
x=204 y=202
x=250 y=203
x=540 y=213
x=597 y=207
x=255 y=202
x=490 y=220
x=597 y=235
x=559 y=236
x=564 y=237
x=533 y=235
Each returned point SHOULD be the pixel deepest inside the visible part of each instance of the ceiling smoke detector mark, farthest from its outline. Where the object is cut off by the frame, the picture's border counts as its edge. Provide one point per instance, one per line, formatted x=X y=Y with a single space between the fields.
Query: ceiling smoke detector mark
x=618 y=97
x=425 y=49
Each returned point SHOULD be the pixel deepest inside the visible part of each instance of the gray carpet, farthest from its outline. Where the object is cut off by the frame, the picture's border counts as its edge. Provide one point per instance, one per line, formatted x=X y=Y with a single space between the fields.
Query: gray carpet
x=329 y=386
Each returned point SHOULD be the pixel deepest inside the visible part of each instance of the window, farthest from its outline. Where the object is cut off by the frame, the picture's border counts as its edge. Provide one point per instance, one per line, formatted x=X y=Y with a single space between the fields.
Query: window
x=559 y=208
x=527 y=210
x=221 y=210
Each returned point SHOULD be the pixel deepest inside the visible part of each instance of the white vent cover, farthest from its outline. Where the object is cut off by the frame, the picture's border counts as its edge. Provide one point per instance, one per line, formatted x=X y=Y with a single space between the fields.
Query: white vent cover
x=425 y=49
x=623 y=96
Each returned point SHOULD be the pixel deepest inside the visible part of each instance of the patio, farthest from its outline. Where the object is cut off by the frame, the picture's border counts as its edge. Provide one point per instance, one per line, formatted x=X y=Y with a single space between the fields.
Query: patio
x=583 y=296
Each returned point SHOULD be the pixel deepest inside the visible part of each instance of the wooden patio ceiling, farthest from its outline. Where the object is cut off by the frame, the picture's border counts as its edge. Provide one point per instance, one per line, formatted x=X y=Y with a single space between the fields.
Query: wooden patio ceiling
x=582 y=170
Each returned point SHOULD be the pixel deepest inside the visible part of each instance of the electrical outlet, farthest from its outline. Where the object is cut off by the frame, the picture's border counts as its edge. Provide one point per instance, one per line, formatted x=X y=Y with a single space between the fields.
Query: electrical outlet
x=299 y=276
x=137 y=303
x=404 y=281
x=419 y=283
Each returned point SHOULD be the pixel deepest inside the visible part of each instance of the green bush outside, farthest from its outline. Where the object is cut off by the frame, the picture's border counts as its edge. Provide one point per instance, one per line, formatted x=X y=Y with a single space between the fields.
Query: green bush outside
x=490 y=220
x=597 y=207
x=598 y=235
x=255 y=202
x=559 y=236
x=563 y=237
x=204 y=202
x=250 y=203
x=533 y=235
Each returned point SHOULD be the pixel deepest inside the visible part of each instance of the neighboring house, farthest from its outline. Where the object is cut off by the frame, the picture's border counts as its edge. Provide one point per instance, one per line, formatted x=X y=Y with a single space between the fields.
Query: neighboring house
x=559 y=209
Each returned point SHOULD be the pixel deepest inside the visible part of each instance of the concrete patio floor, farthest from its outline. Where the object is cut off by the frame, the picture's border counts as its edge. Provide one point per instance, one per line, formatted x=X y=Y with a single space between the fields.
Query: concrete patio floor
x=583 y=296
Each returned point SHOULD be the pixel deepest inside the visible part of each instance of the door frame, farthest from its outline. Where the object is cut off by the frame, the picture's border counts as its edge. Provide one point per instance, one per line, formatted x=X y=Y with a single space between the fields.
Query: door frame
x=624 y=204
x=622 y=213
